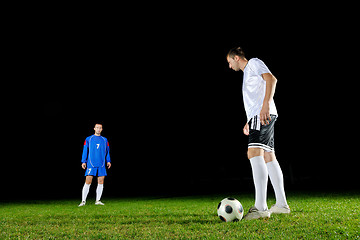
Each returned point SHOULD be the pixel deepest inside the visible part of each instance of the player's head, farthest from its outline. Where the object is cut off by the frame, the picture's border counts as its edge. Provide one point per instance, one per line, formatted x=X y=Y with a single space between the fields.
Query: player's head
x=98 y=128
x=235 y=57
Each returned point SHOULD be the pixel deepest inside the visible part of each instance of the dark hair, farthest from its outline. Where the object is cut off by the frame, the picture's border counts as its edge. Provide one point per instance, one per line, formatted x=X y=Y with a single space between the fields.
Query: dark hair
x=236 y=51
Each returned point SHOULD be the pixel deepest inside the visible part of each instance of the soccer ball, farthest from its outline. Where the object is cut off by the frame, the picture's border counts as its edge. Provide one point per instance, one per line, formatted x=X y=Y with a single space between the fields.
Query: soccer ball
x=230 y=209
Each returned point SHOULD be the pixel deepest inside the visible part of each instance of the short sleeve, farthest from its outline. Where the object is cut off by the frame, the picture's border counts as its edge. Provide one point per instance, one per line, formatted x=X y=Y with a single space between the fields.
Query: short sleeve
x=258 y=66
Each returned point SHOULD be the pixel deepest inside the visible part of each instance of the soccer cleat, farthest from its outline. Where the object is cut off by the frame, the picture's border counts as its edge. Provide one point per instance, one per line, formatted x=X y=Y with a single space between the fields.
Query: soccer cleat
x=82 y=204
x=99 y=203
x=254 y=213
x=280 y=210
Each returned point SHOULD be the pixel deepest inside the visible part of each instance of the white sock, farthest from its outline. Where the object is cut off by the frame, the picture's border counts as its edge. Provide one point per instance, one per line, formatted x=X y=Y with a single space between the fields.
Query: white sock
x=277 y=182
x=85 y=191
x=260 y=176
x=99 y=191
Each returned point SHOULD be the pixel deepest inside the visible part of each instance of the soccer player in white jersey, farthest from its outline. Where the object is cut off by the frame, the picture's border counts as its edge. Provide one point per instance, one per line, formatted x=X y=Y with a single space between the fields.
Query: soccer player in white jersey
x=96 y=152
x=258 y=90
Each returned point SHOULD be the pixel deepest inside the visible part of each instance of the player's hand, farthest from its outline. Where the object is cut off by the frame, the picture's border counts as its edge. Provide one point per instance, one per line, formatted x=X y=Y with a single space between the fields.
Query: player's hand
x=83 y=165
x=109 y=165
x=265 y=114
x=246 y=129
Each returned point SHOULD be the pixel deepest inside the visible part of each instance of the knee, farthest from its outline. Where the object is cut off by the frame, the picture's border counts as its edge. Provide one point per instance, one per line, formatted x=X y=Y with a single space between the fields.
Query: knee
x=100 y=181
x=269 y=157
x=88 y=180
x=254 y=152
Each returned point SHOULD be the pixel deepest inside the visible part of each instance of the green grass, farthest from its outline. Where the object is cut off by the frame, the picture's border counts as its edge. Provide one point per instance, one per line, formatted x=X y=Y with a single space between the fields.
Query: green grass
x=314 y=216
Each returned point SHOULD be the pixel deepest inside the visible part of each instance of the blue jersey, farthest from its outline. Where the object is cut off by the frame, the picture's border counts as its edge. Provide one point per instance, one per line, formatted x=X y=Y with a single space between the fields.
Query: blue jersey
x=96 y=151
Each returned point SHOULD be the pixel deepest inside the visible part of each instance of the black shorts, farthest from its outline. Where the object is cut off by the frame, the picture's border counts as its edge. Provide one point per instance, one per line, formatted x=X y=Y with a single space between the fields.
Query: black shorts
x=262 y=136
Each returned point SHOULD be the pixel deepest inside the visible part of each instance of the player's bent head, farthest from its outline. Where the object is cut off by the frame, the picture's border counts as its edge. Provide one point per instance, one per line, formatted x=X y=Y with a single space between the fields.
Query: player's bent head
x=236 y=51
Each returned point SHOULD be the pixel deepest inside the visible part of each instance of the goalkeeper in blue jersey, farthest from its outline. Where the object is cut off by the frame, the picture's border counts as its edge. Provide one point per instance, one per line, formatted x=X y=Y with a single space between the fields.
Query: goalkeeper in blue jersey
x=95 y=155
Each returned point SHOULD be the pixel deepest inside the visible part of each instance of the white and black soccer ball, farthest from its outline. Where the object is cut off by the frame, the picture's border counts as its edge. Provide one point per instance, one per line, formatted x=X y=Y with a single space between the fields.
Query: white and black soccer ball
x=230 y=209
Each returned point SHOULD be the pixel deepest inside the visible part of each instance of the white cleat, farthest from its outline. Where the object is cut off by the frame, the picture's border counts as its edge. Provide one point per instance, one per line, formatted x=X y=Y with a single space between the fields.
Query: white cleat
x=280 y=210
x=82 y=204
x=99 y=203
x=254 y=213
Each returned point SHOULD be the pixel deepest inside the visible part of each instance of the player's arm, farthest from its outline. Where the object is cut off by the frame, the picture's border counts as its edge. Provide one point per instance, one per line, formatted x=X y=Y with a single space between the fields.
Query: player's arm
x=85 y=154
x=108 y=155
x=269 y=94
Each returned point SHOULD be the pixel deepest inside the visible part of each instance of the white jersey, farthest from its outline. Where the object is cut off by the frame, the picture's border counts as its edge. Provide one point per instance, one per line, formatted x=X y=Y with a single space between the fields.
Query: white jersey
x=254 y=87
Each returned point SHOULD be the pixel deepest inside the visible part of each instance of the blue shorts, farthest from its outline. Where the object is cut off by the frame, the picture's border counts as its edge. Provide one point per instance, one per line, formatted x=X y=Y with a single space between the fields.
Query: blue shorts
x=96 y=171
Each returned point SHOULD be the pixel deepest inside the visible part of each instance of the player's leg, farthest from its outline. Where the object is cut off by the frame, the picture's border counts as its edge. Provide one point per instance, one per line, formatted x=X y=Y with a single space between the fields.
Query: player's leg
x=101 y=180
x=99 y=190
x=277 y=181
x=260 y=139
x=85 y=190
x=260 y=177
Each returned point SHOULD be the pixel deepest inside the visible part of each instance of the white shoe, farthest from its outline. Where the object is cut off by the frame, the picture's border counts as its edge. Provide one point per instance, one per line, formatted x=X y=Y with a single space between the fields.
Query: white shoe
x=99 y=203
x=82 y=204
x=279 y=210
x=254 y=213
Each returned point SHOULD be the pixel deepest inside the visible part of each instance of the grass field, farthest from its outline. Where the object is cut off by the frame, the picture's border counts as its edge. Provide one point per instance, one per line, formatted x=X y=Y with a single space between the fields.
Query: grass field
x=314 y=216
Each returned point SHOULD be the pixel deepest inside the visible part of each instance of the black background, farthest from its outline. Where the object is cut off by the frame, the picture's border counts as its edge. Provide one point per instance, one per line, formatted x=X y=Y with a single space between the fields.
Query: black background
x=171 y=108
